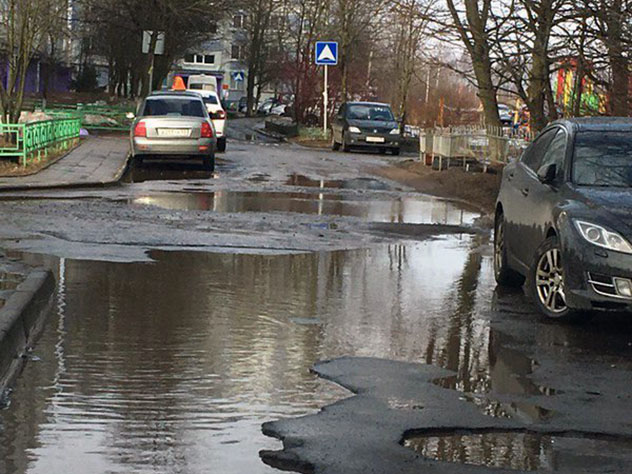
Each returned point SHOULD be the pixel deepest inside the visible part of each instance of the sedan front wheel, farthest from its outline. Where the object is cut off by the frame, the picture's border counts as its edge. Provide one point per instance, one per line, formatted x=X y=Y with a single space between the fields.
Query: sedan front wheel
x=548 y=283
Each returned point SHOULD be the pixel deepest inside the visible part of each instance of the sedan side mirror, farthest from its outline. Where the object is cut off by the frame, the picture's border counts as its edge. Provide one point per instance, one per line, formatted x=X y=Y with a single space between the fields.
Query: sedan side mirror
x=547 y=173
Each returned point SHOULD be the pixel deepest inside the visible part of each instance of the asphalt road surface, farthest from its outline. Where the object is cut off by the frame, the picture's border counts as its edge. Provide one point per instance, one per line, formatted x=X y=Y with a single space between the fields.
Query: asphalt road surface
x=190 y=310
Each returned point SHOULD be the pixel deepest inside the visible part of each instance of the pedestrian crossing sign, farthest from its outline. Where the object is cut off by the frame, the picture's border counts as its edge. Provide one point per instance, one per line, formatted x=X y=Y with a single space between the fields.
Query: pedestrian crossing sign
x=326 y=53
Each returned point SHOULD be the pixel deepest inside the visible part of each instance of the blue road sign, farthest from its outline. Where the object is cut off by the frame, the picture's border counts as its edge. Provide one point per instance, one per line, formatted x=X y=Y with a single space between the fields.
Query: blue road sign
x=326 y=53
x=238 y=76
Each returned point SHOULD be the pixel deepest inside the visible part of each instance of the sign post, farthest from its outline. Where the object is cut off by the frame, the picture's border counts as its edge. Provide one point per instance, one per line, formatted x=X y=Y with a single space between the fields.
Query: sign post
x=326 y=55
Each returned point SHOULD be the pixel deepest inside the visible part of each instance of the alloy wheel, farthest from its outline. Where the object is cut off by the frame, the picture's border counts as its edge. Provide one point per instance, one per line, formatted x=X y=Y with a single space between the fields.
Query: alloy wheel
x=549 y=281
x=499 y=246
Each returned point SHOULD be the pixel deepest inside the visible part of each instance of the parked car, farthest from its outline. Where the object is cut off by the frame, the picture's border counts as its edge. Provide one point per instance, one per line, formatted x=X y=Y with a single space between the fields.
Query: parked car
x=365 y=124
x=218 y=116
x=242 y=105
x=281 y=109
x=506 y=114
x=267 y=105
x=173 y=123
x=563 y=218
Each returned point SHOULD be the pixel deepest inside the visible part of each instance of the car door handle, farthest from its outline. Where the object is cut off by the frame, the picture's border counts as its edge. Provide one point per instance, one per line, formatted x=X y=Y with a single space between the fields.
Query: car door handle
x=525 y=191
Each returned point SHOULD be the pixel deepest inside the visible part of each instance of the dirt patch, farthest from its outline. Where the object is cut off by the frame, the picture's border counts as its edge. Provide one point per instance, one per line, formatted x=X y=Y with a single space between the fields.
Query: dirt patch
x=311 y=142
x=478 y=189
x=12 y=167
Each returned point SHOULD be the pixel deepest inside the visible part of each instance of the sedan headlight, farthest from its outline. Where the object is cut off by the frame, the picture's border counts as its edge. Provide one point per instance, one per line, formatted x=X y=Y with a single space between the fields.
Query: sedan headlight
x=395 y=131
x=597 y=235
x=354 y=130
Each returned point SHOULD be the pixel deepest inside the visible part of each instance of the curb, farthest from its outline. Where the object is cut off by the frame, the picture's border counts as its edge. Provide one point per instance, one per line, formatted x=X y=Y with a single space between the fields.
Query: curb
x=21 y=322
x=73 y=184
x=268 y=134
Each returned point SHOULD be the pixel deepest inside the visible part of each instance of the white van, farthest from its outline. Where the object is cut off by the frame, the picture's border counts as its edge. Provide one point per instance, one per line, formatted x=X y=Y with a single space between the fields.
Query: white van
x=202 y=82
x=217 y=113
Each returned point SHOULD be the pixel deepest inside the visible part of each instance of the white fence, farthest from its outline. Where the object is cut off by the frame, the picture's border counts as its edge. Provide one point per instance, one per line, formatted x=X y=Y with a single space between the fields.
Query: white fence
x=444 y=147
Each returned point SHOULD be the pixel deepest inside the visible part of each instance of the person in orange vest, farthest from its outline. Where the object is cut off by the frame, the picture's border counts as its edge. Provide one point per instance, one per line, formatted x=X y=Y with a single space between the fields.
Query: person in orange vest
x=178 y=84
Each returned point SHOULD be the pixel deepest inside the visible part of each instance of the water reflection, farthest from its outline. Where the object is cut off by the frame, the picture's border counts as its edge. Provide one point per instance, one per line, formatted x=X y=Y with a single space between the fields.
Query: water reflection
x=165 y=171
x=525 y=451
x=408 y=210
x=173 y=366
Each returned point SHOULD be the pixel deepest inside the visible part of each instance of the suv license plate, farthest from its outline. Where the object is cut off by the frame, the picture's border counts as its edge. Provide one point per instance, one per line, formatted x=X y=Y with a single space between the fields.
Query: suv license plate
x=173 y=132
x=375 y=139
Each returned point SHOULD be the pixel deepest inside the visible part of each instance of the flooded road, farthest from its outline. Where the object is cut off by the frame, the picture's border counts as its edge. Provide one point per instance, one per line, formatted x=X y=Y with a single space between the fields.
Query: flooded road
x=172 y=366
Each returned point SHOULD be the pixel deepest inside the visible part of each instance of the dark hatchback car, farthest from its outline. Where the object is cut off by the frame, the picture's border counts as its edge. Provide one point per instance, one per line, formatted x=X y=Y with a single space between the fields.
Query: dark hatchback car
x=365 y=124
x=564 y=218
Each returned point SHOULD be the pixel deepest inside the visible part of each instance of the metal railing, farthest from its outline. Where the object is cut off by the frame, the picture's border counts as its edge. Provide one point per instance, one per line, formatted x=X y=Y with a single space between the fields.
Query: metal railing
x=31 y=141
x=93 y=116
x=445 y=147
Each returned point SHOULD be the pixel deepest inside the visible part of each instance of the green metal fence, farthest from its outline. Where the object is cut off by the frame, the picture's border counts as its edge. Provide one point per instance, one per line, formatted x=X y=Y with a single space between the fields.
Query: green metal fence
x=93 y=116
x=31 y=141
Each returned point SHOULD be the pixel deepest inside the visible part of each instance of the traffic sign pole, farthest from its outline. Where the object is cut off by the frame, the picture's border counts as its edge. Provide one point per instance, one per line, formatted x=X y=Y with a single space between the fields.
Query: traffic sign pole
x=325 y=102
x=326 y=54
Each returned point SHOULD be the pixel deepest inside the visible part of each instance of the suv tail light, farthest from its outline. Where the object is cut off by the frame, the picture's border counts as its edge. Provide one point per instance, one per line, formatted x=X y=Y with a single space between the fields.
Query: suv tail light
x=207 y=130
x=140 y=130
x=219 y=115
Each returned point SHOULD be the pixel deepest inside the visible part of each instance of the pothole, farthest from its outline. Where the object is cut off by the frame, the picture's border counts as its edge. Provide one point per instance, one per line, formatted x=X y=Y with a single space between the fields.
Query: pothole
x=402 y=210
x=355 y=183
x=525 y=451
x=506 y=389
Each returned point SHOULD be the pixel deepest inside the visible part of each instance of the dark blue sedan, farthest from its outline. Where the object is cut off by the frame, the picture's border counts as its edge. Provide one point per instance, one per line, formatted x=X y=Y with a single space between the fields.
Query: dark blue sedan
x=564 y=218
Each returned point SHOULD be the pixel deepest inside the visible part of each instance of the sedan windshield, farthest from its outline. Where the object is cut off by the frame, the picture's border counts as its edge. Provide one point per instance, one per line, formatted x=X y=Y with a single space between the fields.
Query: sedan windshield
x=369 y=112
x=603 y=159
x=177 y=107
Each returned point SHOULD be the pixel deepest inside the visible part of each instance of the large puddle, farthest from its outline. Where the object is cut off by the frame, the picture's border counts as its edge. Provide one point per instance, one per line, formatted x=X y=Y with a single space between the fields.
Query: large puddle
x=405 y=210
x=172 y=366
x=524 y=451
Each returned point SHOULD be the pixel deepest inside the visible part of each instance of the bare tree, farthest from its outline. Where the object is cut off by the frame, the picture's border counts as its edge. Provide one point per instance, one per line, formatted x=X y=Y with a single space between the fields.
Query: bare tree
x=411 y=21
x=473 y=23
x=27 y=24
x=524 y=53
x=353 y=20
x=610 y=29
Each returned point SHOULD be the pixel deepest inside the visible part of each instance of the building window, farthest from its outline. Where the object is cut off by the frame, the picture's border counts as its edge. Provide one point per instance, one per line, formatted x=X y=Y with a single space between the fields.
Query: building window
x=212 y=28
x=199 y=58
x=236 y=52
x=238 y=21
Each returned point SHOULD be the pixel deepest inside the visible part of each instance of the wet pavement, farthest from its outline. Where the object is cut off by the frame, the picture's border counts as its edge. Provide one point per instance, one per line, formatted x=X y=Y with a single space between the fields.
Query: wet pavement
x=190 y=310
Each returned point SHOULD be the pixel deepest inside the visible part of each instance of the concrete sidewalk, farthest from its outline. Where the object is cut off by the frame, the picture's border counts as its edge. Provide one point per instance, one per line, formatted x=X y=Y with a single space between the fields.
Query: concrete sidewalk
x=97 y=161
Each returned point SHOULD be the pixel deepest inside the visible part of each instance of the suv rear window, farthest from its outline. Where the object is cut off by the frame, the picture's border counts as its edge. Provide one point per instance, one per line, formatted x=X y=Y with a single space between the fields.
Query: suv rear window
x=211 y=99
x=603 y=159
x=177 y=107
